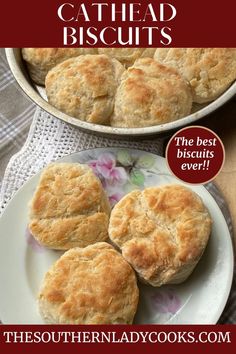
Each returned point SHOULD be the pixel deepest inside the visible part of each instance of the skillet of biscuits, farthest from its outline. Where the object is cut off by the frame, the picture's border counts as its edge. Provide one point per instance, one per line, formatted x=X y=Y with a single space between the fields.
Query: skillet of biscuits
x=150 y=92
x=131 y=87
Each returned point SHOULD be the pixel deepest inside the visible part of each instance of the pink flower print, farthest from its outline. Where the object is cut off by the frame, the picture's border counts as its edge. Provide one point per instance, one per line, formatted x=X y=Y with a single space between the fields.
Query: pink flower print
x=93 y=164
x=106 y=162
x=117 y=175
x=166 y=302
x=105 y=168
x=114 y=192
x=32 y=242
x=115 y=198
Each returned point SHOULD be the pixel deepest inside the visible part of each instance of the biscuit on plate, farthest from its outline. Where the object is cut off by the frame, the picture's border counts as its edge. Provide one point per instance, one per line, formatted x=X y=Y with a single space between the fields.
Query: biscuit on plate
x=69 y=207
x=41 y=60
x=150 y=94
x=127 y=56
x=210 y=71
x=161 y=231
x=92 y=285
x=84 y=87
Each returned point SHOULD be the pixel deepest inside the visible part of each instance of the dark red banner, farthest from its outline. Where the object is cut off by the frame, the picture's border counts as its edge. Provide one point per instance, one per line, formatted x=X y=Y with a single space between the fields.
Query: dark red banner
x=117 y=339
x=58 y=23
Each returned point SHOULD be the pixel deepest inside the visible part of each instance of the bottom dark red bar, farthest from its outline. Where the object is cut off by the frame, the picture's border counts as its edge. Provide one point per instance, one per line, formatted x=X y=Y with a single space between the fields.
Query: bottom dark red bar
x=117 y=339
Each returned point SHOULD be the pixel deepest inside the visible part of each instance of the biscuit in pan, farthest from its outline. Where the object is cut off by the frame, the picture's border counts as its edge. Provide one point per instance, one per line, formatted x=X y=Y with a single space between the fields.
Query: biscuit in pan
x=210 y=71
x=41 y=60
x=127 y=56
x=84 y=87
x=162 y=232
x=69 y=207
x=150 y=94
x=92 y=285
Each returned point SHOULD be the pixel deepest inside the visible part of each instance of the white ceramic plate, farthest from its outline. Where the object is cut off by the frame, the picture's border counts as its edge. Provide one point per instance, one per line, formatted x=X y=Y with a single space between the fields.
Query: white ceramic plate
x=23 y=263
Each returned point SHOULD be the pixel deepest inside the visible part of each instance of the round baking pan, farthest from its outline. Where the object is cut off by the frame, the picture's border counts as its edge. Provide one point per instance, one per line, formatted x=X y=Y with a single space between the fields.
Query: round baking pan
x=37 y=95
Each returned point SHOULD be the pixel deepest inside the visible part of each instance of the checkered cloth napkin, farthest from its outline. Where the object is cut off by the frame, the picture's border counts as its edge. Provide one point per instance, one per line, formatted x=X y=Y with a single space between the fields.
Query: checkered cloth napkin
x=16 y=113
x=49 y=139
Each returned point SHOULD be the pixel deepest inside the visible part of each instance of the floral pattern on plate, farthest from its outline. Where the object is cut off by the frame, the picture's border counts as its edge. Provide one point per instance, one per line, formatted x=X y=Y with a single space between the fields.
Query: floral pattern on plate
x=122 y=172
x=166 y=301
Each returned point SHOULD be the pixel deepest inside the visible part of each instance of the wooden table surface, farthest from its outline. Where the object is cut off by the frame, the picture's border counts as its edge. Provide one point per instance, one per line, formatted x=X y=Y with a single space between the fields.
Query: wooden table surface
x=223 y=122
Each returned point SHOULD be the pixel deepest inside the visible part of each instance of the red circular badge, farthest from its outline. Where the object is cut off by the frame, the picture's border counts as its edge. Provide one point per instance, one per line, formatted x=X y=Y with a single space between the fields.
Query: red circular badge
x=195 y=154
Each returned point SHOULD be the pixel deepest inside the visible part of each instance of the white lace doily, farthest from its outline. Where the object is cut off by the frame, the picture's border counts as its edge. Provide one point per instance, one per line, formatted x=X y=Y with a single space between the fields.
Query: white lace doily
x=50 y=139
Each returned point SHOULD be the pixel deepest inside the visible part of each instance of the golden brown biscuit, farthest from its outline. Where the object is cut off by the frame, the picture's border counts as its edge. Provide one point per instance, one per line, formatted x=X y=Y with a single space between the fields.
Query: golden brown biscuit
x=210 y=71
x=150 y=94
x=125 y=56
x=162 y=232
x=92 y=285
x=41 y=60
x=148 y=53
x=69 y=207
x=84 y=87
